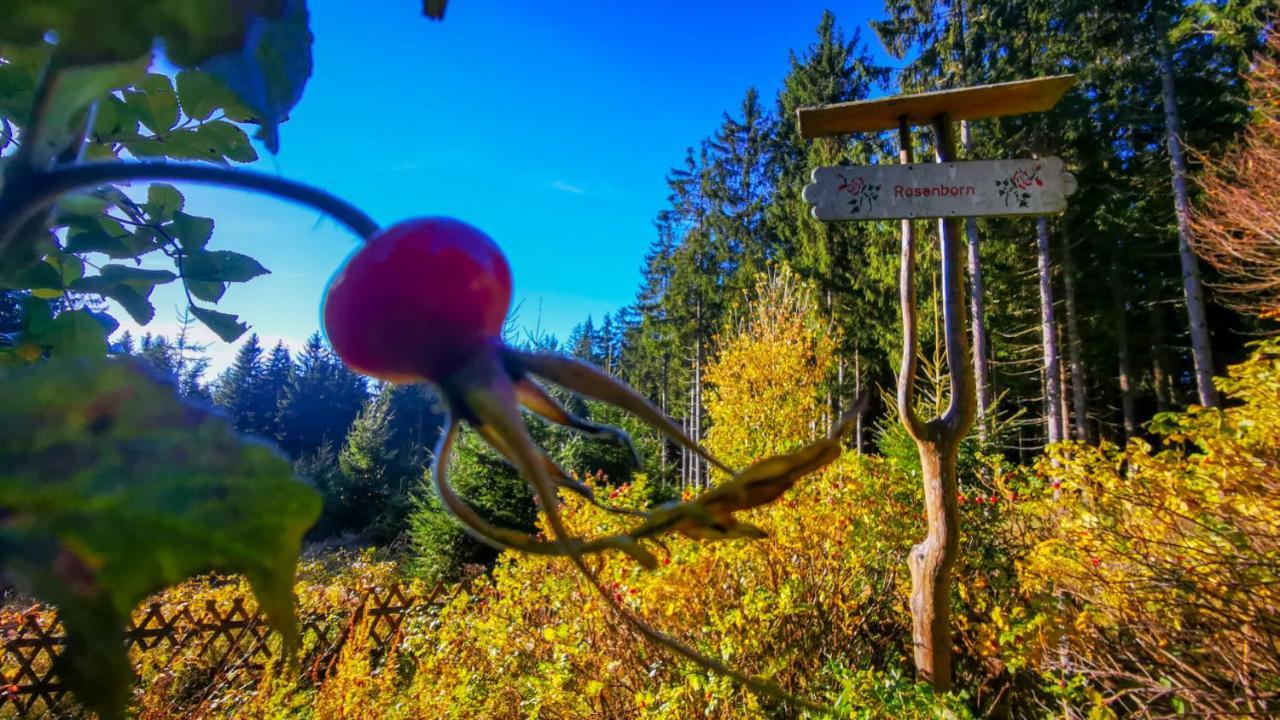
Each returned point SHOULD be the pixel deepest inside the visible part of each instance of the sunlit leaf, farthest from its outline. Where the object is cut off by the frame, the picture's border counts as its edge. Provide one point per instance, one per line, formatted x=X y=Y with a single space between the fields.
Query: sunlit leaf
x=163 y=200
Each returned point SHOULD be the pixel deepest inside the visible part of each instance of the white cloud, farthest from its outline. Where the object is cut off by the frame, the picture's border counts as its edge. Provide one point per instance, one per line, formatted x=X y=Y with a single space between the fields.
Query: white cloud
x=563 y=186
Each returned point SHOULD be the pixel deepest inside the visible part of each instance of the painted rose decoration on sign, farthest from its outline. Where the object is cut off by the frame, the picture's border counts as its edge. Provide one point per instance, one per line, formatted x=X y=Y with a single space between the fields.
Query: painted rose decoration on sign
x=1017 y=187
x=862 y=195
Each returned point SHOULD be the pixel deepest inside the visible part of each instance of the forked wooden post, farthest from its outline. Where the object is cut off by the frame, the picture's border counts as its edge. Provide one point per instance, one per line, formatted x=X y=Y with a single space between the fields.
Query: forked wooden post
x=947 y=190
x=938 y=440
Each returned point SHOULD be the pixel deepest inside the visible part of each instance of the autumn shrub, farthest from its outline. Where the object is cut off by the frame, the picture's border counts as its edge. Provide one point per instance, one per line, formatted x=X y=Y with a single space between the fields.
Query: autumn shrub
x=1152 y=574
x=765 y=386
x=1237 y=224
x=818 y=607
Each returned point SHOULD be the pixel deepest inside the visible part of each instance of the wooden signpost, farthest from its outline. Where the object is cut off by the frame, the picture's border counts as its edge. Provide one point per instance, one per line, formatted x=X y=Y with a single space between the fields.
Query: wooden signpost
x=948 y=190
x=935 y=190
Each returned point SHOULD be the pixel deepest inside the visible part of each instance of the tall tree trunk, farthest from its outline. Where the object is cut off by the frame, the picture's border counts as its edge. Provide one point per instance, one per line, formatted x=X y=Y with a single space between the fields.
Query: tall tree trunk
x=1075 y=349
x=698 y=474
x=1124 y=362
x=1160 y=361
x=931 y=561
x=1201 y=349
x=1063 y=383
x=1052 y=387
x=857 y=394
x=977 y=311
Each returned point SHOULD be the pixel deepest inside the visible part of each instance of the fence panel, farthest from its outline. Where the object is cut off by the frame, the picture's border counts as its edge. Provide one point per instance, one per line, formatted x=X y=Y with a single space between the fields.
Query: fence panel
x=233 y=634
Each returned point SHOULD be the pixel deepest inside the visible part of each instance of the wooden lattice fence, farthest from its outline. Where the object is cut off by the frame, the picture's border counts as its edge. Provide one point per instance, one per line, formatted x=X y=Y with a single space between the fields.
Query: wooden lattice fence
x=225 y=635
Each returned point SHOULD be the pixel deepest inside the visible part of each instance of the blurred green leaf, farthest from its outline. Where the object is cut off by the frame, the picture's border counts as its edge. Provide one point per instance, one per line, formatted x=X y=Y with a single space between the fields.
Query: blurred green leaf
x=72 y=91
x=224 y=325
x=74 y=333
x=91 y=32
x=18 y=77
x=223 y=265
x=269 y=72
x=39 y=275
x=113 y=488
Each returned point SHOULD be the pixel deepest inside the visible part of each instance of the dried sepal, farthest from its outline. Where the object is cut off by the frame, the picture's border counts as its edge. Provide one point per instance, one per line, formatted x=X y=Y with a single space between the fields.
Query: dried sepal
x=507 y=539
x=710 y=516
x=592 y=382
x=537 y=400
x=557 y=473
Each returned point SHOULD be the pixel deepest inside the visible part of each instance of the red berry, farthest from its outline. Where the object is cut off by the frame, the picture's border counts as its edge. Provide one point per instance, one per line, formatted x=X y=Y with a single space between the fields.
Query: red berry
x=417 y=300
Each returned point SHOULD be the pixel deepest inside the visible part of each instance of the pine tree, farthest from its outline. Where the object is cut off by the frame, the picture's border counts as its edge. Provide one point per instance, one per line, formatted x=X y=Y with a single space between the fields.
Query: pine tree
x=320 y=401
x=240 y=389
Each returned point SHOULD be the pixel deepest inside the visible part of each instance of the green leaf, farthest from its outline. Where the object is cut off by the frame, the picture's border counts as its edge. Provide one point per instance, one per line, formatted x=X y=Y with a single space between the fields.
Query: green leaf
x=192 y=232
x=227 y=140
x=186 y=144
x=201 y=94
x=268 y=74
x=39 y=275
x=136 y=303
x=209 y=291
x=115 y=121
x=129 y=286
x=224 y=325
x=140 y=279
x=223 y=265
x=154 y=102
x=18 y=77
x=103 y=235
x=113 y=488
x=163 y=200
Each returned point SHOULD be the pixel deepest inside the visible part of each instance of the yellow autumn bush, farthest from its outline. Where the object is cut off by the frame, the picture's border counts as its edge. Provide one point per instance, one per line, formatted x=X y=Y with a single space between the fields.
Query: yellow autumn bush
x=813 y=608
x=1154 y=573
x=764 y=394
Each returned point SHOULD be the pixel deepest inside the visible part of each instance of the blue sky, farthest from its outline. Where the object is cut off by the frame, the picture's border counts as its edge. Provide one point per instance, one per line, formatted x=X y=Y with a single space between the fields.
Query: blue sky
x=550 y=125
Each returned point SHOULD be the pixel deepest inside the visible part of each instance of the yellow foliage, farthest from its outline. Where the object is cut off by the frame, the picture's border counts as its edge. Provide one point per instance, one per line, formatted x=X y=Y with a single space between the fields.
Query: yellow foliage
x=766 y=384
x=1162 y=567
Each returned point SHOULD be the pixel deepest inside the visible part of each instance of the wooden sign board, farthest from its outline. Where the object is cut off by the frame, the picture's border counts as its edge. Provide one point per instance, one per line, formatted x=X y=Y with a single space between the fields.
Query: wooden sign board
x=931 y=190
x=971 y=103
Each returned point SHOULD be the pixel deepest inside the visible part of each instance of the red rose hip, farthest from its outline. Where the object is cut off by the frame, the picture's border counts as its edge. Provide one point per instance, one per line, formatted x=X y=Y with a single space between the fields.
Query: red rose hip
x=417 y=300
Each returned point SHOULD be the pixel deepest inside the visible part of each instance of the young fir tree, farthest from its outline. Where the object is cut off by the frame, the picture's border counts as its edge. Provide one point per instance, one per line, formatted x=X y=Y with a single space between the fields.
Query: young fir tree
x=240 y=389
x=320 y=400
